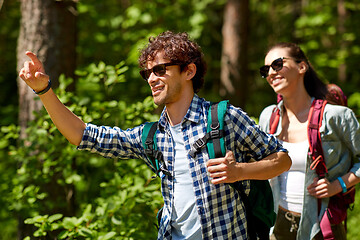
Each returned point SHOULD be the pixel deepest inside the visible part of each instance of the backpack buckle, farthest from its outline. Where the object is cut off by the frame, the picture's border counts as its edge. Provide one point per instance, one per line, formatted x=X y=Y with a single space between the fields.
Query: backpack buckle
x=165 y=171
x=158 y=155
x=148 y=152
x=198 y=144
x=215 y=134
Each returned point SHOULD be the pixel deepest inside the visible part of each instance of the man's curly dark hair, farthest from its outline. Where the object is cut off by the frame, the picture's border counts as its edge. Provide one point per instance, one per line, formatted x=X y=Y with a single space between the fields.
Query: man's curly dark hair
x=179 y=49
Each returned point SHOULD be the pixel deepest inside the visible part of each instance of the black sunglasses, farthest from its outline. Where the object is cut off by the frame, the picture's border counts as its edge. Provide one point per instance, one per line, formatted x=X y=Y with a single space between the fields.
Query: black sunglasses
x=159 y=70
x=277 y=65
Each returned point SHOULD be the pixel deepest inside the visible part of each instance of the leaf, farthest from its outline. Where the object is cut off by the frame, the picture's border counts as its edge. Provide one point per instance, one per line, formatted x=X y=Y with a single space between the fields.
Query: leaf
x=63 y=234
x=85 y=232
x=115 y=221
x=39 y=233
x=107 y=236
x=69 y=223
x=55 y=217
x=29 y=221
x=4 y=143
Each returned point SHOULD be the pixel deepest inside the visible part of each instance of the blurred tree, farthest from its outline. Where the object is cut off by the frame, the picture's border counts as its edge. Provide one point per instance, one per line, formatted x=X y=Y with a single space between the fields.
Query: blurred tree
x=9 y=31
x=47 y=28
x=341 y=9
x=234 y=62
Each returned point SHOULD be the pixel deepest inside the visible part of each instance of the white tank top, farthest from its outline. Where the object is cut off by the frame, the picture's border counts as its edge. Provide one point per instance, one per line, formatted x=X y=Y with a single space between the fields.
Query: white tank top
x=292 y=181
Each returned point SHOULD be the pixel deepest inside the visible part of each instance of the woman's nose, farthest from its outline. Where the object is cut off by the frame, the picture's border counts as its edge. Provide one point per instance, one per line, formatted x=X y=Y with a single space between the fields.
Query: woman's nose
x=271 y=71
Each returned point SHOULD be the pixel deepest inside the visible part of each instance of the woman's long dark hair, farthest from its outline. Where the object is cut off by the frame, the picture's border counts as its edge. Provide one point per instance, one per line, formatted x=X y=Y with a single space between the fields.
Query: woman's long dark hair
x=313 y=84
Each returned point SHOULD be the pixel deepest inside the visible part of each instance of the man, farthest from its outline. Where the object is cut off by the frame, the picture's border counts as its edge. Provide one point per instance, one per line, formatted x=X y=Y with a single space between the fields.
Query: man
x=195 y=206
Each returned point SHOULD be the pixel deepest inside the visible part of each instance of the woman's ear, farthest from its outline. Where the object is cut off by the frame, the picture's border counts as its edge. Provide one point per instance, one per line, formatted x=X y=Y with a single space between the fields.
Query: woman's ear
x=190 y=71
x=303 y=67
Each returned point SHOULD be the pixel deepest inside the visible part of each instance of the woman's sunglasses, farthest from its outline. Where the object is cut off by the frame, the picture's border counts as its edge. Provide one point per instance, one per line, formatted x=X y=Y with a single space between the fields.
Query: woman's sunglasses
x=277 y=65
x=159 y=70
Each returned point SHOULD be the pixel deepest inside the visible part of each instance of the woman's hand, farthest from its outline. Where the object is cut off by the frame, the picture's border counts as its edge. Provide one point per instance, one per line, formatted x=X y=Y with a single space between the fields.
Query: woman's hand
x=322 y=188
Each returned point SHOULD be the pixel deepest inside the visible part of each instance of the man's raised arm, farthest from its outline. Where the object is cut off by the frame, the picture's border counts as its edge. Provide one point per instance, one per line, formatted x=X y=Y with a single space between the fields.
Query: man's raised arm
x=70 y=125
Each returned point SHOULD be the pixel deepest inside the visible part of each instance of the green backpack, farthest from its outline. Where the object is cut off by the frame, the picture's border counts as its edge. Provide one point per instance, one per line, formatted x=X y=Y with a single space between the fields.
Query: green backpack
x=259 y=203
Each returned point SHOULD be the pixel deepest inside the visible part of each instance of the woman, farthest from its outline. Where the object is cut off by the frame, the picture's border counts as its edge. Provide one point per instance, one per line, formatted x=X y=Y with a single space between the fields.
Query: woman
x=296 y=192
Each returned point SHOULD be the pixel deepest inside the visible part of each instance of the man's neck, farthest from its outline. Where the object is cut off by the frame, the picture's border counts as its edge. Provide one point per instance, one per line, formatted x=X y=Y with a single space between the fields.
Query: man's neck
x=176 y=111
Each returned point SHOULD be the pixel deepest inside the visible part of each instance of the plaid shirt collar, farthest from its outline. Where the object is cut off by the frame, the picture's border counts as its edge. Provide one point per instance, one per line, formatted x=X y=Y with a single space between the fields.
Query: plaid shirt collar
x=193 y=113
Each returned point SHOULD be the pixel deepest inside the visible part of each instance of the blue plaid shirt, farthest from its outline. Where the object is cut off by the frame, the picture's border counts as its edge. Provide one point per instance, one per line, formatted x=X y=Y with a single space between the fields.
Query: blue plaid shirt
x=221 y=211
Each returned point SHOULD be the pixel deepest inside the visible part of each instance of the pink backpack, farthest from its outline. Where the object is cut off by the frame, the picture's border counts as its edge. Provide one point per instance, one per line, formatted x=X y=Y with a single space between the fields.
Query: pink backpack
x=336 y=211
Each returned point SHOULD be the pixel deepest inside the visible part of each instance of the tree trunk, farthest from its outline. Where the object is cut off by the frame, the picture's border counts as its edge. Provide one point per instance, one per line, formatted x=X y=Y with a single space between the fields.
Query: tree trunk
x=47 y=28
x=341 y=30
x=296 y=13
x=234 y=59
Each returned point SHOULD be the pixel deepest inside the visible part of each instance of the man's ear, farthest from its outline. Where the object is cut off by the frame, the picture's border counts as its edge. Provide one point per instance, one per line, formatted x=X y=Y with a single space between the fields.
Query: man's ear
x=190 y=71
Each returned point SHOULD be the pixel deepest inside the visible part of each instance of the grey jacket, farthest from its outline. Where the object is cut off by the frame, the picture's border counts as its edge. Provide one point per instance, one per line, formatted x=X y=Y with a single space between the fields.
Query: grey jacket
x=340 y=136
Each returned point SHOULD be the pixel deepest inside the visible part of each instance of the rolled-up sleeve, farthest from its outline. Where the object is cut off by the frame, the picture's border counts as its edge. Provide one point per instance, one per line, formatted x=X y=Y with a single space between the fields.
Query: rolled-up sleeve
x=253 y=142
x=112 y=142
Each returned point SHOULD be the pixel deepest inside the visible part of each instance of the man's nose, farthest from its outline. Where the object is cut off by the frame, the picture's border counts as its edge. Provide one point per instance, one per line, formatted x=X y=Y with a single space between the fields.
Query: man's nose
x=152 y=78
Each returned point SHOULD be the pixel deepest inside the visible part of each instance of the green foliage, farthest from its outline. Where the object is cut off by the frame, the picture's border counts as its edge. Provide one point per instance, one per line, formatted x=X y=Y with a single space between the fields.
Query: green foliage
x=316 y=27
x=123 y=29
x=9 y=30
x=8 y=136
x=113 y=196
x=354 y=103
x=111 y=31
x=353 y=214
x=353 y=217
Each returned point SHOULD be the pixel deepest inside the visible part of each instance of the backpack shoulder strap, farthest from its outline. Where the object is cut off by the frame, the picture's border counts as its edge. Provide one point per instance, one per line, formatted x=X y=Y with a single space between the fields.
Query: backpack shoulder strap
x=149 y=143
x=314 y=124
x=274 y=120
x=215 y=125
x=259 y=204
x=215 y=132
x=275 y=116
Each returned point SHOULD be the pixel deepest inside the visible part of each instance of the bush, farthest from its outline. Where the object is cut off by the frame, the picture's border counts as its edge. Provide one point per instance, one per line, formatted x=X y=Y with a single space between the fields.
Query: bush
x=67 y=194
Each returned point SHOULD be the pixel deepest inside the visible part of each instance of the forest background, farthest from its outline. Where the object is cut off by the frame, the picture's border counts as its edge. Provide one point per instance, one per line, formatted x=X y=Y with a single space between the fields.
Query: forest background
x=48 y=190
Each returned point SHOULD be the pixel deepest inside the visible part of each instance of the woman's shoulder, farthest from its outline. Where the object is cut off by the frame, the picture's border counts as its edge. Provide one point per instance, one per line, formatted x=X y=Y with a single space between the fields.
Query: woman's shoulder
x=266 y=114
x=339 y=115
x=268 y=110
x=333 y=110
